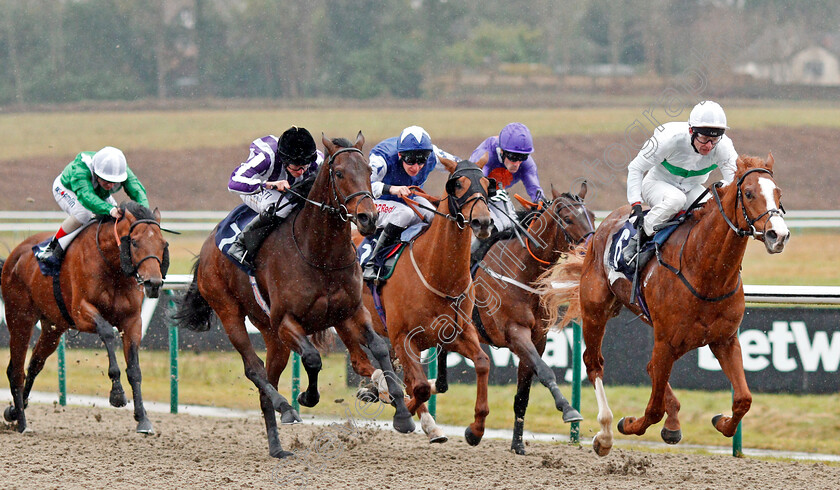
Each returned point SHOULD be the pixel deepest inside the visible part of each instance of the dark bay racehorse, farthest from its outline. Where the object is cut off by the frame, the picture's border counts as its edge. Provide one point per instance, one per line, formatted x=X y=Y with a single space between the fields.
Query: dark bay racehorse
x=696 y=300
x=509 y=307
x=307 y=272
x=429 y=297
x=104 y=274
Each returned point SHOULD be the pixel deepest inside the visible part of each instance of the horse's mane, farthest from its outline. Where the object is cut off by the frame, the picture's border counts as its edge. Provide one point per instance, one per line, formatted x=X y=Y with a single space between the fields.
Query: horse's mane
x=342 y=142
x=745 y=162
x=137 y=210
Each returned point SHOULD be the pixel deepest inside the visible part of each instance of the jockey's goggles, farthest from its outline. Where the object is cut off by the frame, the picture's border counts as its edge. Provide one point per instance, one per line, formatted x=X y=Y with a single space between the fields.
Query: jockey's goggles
x=302 y=164
x=415 y=157
x=702 y=140
x=514 y=157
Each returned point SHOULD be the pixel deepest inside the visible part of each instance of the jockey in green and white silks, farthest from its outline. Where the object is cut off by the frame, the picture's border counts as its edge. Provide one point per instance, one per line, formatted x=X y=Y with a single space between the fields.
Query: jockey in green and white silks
x=671 y=168
x=84 y=191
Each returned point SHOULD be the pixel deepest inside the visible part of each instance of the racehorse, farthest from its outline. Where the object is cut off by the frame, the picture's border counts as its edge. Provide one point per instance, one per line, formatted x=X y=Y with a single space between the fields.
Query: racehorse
x=307 y=271
x=508 y=307
x=692 y=295
x=103 y=277
x=428 y=299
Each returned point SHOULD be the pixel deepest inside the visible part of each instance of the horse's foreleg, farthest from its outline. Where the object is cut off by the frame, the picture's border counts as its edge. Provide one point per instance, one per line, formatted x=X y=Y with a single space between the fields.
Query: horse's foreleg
x=429 y=426
x=671 y=432
x=659 y=369
x=603 y=440
x=467 y=345
x=729 y=356
x=20 y=331
x=131 y=350
x=293 y=335
x=441 y=382
x=108 y=335
x=524 y=374
x=416 y=384
x=594 y=323
x=276 y=359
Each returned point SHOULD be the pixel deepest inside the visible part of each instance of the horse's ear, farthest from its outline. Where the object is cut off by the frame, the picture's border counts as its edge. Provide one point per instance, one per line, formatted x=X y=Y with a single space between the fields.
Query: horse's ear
x=328 y=144
x=156 y=214
x=449 y=164
x=770 y=161
x=554 y=193
x=740 y=165
x=582 y=193
x=483 y=160
x=360 y=141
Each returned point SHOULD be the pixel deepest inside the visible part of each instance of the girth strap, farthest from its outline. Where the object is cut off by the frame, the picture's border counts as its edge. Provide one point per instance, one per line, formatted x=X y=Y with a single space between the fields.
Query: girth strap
x=59 y=300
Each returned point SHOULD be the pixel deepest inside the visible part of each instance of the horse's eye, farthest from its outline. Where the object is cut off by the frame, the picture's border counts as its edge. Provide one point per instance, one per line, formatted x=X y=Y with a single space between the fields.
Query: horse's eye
x=748 y=194
x=134 y=243
x=339 y=174
x=567 y=221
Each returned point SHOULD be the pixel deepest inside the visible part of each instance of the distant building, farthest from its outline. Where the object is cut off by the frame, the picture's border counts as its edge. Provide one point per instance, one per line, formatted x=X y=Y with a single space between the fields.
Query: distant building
x=791 y=57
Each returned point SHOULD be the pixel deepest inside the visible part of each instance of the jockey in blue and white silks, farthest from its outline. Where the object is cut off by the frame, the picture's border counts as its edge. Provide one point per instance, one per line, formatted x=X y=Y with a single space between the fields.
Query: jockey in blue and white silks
x=396 y=163
x=671 y=168
x=509 y=161
x=273 y=165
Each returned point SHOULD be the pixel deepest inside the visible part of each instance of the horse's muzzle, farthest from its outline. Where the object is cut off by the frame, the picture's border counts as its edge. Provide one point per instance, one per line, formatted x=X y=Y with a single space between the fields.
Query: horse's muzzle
x=481 y=227
x=775 y=241
x=152 y=287
x=366 y=223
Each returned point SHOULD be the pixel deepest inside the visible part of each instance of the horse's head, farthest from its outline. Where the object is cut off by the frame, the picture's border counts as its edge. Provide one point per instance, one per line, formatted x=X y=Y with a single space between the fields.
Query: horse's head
x=350 y=180
x=759 y=200
x=571 y=215
x=144 y=254
x=468 y=189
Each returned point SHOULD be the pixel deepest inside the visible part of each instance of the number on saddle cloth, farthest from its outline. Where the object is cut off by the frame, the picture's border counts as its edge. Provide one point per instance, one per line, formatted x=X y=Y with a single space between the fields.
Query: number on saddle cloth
x=622 y=237
x=229 y=228
x=388 y=256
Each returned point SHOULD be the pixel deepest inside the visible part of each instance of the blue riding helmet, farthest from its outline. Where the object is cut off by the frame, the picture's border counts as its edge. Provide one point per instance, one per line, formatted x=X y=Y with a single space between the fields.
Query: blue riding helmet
x=516 y=138
x=414 y=138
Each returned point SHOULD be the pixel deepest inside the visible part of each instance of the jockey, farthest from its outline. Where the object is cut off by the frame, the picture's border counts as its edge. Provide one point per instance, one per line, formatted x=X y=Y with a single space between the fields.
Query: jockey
x=84 y=191
x=273 y=165
x=509 y=162
x=397 y=163
x=678 y=159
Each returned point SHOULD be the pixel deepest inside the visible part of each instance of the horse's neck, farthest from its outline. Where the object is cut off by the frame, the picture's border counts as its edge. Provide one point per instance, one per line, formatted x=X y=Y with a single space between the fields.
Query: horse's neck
x=324 y=235
x=100 y=240
x=443 y=252
x=713 y=243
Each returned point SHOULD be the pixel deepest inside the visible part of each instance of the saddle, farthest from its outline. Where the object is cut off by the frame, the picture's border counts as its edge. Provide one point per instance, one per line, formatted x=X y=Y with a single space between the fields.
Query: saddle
x=388 y=256
x=231 y=226
x=622 y=236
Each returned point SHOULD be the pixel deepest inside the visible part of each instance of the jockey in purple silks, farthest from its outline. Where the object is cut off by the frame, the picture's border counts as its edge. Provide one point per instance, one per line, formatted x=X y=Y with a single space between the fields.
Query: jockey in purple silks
x=273 y=165
x=397 y=163
x=509 y=162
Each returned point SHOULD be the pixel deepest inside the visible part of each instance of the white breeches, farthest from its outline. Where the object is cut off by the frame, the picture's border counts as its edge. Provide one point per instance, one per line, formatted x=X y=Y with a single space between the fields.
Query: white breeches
x=665 y=201
x=400 y=214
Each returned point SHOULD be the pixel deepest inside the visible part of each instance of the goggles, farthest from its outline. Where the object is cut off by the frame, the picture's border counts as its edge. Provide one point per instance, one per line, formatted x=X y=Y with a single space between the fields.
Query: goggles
x=514 y=157
x=415 y=157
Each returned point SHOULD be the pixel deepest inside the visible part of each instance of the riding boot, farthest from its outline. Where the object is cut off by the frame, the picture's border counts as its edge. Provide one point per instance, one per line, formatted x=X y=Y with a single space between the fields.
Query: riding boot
x=247 y=243
x=390 y=234
x=53 y=251
x=635 y=244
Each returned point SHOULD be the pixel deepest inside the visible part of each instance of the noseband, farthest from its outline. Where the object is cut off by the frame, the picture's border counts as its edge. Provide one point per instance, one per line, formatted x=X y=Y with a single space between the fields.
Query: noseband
x=474 y=193
x=739 y=200
x=578 y=203
x=127 y=265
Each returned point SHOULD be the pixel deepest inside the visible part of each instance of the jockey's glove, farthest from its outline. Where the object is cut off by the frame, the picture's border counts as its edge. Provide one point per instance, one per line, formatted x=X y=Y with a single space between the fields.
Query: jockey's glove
x=637 y=216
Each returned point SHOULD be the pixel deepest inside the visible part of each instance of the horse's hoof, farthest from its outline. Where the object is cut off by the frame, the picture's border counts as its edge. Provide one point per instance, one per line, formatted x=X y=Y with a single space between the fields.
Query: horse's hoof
x=571 y=415
x=716 y=418
x=599 y=449
x=471 y=438
x=621 y=426
x=118 y=399
x=10 y=414
x=145 y=427
x=404 y=425
x=289 y=417
x=671 y=436
x=518 y=448
x=280 y=453
x=308 y=400
x=437 y=436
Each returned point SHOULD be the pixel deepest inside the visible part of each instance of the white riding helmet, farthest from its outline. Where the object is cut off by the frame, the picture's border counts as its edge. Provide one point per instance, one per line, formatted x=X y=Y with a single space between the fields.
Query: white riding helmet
x=707 y=114
x=109 y=164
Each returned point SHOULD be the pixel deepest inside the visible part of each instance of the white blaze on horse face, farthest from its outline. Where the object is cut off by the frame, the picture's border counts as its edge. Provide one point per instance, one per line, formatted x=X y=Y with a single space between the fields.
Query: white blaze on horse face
x=777 y=223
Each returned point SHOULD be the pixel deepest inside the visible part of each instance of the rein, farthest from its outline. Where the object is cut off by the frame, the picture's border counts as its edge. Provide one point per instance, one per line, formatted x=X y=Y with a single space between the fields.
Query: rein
x=569 y=239
x=124 y=244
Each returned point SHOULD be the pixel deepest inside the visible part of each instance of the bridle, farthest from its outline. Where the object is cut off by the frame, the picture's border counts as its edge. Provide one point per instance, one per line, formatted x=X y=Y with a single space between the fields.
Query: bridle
x=739 y=200
x=341 y=210
x=127 y=265
x=578 y=203
x=474 y=193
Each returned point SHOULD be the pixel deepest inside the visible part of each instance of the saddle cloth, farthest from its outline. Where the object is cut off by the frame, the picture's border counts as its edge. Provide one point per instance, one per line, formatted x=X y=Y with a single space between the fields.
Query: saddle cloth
x=388 y=256
x=230 y=227
x=620 y=239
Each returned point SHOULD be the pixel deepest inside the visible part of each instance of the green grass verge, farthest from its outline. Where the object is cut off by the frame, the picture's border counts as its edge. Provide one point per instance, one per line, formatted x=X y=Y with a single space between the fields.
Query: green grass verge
x=782 y=422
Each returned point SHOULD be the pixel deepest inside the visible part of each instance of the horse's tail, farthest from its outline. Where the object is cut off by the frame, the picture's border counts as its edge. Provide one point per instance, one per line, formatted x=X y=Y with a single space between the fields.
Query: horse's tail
x=560 y=286
x=194 y=312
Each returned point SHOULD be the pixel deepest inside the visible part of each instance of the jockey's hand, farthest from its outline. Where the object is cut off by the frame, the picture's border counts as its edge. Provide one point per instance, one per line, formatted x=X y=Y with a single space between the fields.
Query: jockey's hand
x=116 y=213
x=278 y=185
x=637 y=216
x=400 y=190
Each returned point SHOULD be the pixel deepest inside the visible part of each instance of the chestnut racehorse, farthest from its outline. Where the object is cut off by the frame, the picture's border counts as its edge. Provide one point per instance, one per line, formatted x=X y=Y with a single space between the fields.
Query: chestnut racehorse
x=104 y=274
x=428 y=299
x=307 y=272
x=693 y=295
x=509 y=307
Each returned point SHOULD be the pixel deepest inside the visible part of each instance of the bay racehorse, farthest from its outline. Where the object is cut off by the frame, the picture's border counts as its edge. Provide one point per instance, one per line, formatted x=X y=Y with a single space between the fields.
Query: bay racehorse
x=692 y=295
x=103 y=277
x=307 y=273
x=508 y=305
x=428 y=299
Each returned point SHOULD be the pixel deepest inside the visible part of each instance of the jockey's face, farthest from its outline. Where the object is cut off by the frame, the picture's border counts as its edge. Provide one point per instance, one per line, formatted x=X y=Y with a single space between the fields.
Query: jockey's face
x=105 y=184
x=296 y=171
x=513 y=161
x=705 y=144
x=413 y=162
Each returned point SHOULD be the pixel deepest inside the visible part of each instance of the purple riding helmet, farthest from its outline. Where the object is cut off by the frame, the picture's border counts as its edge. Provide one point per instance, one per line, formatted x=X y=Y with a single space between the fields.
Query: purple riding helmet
x=516 y=138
